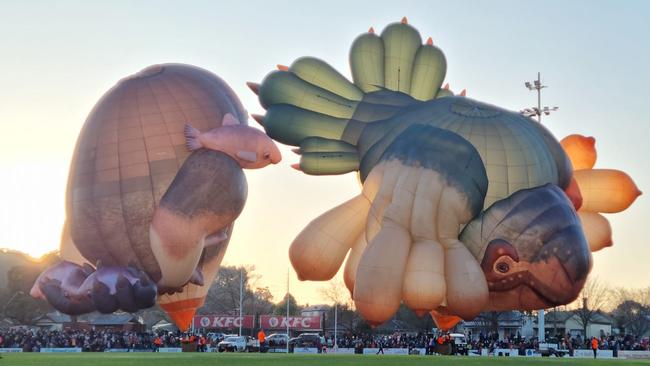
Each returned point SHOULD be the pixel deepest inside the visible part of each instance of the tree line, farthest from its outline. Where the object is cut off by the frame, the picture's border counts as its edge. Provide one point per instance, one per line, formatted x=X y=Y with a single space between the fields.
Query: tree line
x=628 y=307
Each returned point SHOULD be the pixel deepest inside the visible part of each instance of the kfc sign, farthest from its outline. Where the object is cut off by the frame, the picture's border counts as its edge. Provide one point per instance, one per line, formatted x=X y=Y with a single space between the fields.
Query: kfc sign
x=223 y=321
x=293 y=322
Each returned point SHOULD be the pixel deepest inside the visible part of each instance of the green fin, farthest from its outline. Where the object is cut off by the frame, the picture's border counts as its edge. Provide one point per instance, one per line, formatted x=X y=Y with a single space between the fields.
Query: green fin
x=401 y=42
x=321 y=74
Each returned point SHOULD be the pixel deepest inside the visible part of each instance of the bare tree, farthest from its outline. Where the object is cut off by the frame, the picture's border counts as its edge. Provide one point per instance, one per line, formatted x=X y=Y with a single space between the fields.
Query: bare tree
x=336 y=293
x=594 y=298
x=632 y=310
x=639 y=295
x=223 y=296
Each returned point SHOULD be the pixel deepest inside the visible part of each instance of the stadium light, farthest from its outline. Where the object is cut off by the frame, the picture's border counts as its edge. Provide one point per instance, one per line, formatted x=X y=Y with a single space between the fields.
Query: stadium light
x=532 y=112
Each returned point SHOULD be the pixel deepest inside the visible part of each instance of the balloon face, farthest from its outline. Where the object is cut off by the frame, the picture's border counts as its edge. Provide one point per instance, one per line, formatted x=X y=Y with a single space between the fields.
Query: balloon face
x=532 y=249
x=430 y=163
x=153 y=191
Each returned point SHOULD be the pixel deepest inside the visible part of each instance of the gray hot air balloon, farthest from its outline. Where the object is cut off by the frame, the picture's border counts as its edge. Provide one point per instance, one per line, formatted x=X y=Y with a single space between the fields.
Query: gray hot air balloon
x=149 y=214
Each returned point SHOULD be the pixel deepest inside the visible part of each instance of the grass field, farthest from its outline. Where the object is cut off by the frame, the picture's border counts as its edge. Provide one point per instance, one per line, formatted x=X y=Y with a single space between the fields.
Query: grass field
x=199 y=359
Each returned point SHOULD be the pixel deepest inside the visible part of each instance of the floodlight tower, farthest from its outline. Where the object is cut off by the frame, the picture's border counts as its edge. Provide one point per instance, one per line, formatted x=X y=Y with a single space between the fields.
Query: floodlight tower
x=530 y=112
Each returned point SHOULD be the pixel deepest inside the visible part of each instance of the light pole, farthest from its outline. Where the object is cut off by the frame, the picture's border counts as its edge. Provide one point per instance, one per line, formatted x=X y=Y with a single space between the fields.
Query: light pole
x=537 y=111
x=287 y=320
x=241 y=296
x=530 y=112
x=336 y=323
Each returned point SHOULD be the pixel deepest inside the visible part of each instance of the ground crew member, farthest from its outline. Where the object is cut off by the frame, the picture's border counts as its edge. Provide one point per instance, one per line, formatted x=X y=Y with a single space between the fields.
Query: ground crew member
x=594 y=345
x=261 y=337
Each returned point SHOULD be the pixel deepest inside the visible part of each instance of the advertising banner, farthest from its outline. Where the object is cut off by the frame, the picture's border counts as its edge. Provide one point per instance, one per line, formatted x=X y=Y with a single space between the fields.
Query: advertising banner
x=587 y=353
x=10 y=350
x=294 y=322
x=58 y=350
x=223 y=321
x=170 y=349
x=305 y=350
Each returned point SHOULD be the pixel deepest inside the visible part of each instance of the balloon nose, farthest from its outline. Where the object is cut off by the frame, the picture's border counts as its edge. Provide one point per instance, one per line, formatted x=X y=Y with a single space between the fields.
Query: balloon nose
x=276 y=158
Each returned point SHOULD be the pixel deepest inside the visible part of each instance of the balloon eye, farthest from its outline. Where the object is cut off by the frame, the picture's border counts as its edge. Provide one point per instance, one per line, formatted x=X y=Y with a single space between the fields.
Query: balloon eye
x=267 y=155
x=503 y=267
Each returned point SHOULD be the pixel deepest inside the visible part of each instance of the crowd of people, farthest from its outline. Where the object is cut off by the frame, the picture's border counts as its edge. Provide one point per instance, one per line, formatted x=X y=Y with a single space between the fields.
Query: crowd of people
x=395 y=340
x=101 y=340
x=566 y=342
x=88 y=340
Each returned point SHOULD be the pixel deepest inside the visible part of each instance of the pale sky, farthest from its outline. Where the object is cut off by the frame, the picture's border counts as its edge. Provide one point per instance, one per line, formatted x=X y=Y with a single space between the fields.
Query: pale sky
x=57 y=59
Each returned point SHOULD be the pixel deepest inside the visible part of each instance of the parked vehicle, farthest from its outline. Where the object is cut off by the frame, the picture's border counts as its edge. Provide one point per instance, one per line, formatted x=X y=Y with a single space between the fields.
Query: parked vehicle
x=216 y=337
x=238 y=344
x=458 y=344
x=551 y=349
x=277 y=340
x=306 y=340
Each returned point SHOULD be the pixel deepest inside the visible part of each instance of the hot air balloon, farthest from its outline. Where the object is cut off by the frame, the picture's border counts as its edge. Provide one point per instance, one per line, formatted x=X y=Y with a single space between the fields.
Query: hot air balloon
x=463 y=206
x=155 y=185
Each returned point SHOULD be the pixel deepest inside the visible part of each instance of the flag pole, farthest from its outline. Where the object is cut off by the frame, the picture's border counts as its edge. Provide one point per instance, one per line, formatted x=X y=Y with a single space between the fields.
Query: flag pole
x=287 y=299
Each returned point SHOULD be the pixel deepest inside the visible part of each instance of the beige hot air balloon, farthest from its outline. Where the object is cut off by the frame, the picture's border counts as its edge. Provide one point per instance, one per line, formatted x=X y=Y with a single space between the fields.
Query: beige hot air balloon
x=430 y=163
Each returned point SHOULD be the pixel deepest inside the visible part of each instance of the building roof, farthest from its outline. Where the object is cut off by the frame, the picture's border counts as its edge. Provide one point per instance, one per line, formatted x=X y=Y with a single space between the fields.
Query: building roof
x=598 y=317
x=53 y=317
x=321 y=307
x=114 y=319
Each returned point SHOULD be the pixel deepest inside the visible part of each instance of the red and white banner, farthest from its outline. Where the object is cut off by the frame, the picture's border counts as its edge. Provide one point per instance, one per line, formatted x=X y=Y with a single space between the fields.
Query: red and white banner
x=223 y=321
x=294 y=322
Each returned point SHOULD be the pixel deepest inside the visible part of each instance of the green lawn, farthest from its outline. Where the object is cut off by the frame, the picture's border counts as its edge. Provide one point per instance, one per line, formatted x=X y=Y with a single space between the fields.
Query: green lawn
x=198 y=359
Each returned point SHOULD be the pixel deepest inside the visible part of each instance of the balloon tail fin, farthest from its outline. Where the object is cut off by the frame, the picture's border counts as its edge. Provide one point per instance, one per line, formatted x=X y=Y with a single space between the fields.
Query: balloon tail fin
x=192 y=138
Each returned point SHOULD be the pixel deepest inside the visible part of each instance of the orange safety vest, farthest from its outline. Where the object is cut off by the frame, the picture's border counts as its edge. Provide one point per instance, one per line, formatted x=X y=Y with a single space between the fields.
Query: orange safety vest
x=594 y=343
x=261 y=336
x=441 y=340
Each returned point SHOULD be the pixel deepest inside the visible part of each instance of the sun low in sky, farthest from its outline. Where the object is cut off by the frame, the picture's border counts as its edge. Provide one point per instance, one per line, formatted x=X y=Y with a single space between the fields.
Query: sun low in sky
x=58 y=59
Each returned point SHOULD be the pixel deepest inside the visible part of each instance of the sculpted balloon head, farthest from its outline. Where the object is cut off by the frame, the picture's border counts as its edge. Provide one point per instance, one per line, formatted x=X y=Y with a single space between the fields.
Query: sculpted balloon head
x=532 y=250
x=206 y=196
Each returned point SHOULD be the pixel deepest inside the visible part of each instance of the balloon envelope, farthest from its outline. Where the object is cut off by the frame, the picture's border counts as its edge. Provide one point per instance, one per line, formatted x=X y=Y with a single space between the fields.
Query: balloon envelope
x=129 y=153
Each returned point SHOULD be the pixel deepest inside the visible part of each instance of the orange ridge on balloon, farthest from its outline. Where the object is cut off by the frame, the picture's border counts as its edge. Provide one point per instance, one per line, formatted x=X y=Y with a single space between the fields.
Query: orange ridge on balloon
x=255 y=87
x=371 y=30
x=258 y=118
x=283 y=67
x=405 y=21
x=430 y=41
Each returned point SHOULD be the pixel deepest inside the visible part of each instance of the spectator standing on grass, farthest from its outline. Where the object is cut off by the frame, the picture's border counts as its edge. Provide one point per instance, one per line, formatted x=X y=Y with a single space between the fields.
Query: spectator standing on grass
x=261 y=337
x=594 y=345
x=157 y=342
x=380 y=344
